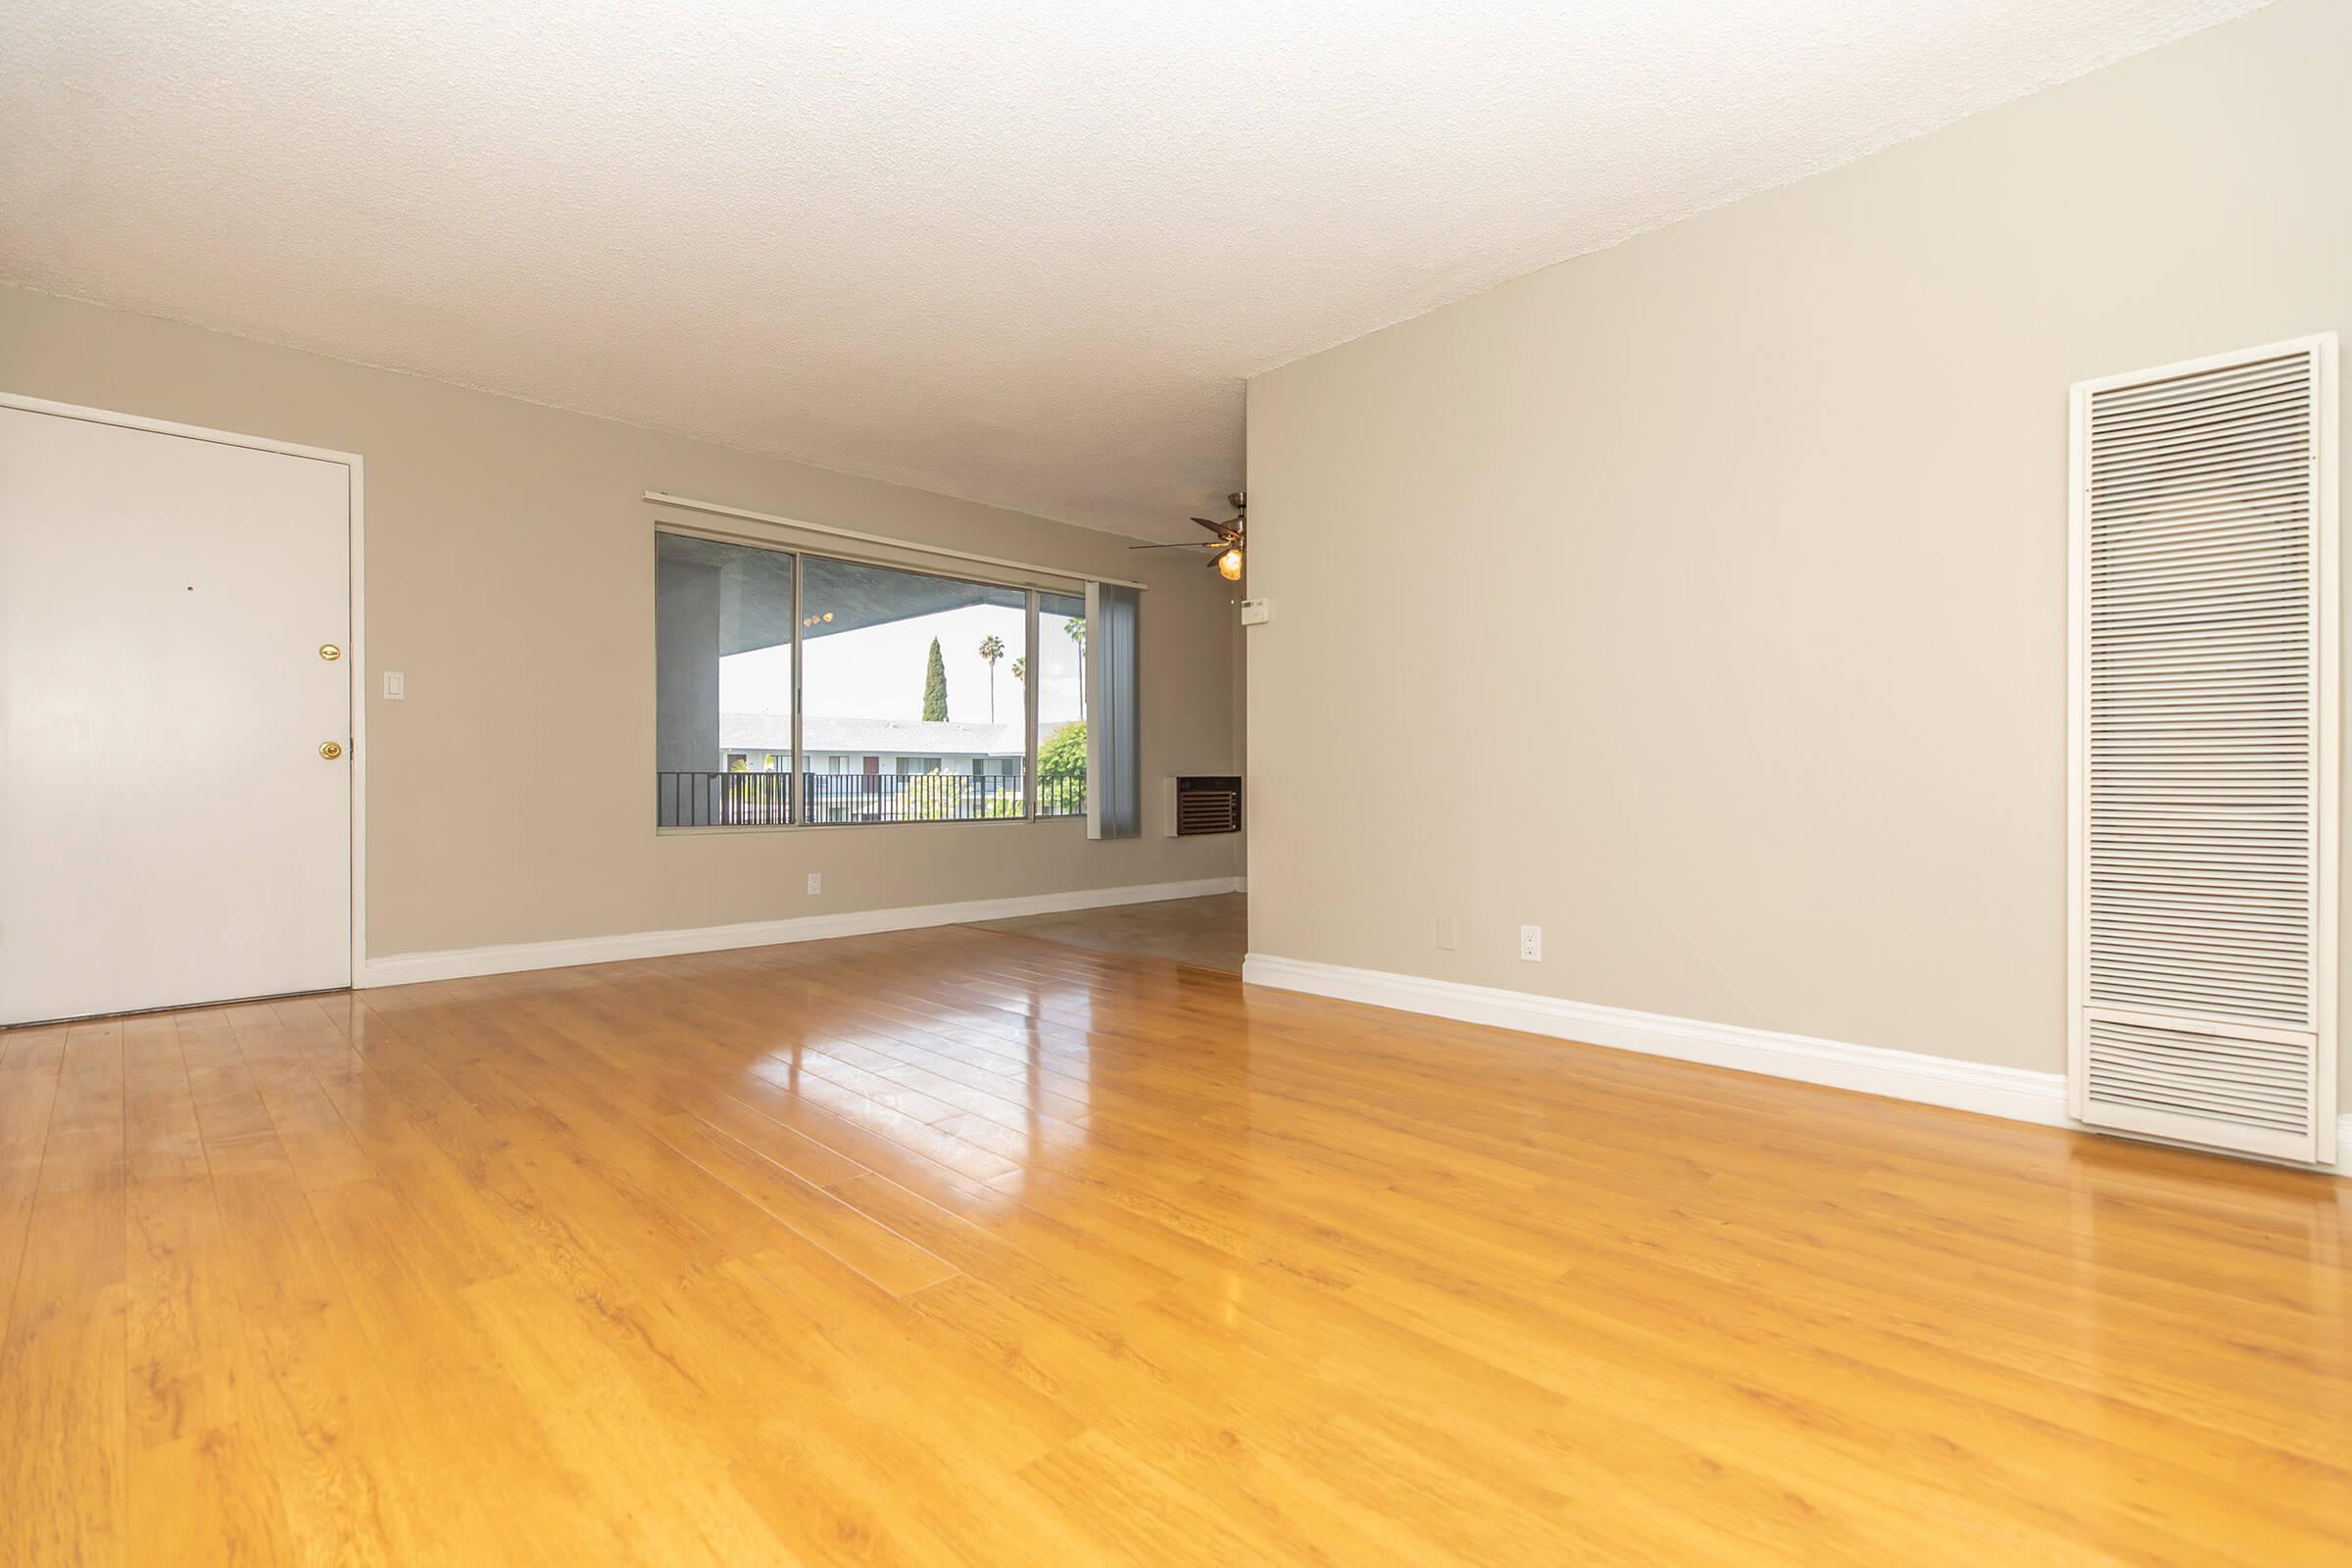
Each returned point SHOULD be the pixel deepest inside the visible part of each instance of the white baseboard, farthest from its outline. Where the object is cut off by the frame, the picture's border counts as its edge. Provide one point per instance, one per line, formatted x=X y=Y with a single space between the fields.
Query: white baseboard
x=2014 y=1094
x=2010 y=1091
x=408 y=969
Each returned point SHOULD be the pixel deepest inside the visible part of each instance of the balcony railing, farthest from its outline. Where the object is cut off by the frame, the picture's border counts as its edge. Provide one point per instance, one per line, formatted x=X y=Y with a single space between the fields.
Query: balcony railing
x=765 y=800
x=1062 y=797
x=910 y=797
x=722 y=800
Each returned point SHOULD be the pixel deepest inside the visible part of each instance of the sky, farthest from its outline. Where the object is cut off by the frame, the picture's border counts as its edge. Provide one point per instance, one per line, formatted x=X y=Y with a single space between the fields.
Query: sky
x=877 y=671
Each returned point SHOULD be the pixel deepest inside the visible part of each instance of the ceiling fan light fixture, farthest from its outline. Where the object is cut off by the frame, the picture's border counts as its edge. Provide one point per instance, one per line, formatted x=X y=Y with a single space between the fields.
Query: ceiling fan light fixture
x=1229 y=564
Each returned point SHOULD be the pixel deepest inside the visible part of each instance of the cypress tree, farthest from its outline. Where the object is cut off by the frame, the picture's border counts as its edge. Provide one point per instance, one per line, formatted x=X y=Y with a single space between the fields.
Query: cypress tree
x=935 y=687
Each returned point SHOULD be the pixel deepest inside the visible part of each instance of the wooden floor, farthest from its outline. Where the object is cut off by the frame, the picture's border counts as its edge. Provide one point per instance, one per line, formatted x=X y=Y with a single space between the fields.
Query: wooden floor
x=1210 y=933
x=948 y=1246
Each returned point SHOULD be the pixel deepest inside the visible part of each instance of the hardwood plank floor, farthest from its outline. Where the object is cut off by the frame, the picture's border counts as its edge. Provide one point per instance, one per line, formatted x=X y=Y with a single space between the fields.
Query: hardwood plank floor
x=952 y=1247
x=1210 y=933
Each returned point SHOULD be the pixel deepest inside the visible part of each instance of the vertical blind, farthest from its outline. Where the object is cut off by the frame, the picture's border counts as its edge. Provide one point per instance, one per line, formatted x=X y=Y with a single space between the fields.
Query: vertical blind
x=1115 y=797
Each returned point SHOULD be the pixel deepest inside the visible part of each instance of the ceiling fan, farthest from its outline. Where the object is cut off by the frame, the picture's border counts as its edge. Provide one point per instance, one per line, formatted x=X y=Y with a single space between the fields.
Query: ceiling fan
x=1228 y=543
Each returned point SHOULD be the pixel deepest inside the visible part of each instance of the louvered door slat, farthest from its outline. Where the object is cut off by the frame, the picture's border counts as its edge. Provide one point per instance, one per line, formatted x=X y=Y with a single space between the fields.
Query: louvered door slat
x=2202 y=985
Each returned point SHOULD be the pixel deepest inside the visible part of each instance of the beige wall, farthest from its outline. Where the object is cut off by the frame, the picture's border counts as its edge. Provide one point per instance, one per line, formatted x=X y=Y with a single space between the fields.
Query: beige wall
x=510 y=575
x=1717 y=582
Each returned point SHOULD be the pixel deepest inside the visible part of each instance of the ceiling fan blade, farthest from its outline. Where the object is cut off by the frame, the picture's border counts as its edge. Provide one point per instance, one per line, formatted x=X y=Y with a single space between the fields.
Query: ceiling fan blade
x=1182 y=544
x=1213 y=528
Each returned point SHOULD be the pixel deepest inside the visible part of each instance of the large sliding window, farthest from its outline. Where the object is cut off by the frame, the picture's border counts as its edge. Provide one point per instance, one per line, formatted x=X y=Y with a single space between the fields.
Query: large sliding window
x=796 y=688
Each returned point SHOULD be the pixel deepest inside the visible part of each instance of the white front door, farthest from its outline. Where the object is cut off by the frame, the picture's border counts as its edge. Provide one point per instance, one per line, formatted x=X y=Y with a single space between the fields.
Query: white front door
x=170 y=832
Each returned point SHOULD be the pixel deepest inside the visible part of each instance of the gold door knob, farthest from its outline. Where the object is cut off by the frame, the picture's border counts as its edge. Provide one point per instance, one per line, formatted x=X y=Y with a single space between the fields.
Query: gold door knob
x=329 y=749
x=330 y=652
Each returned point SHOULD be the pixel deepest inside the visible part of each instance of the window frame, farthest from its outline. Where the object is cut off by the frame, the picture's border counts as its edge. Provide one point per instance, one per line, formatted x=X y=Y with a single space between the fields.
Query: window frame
x=797 y=790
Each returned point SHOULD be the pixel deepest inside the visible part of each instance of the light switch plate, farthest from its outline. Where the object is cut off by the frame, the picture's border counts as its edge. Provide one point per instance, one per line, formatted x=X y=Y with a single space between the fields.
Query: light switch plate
x=396 y=686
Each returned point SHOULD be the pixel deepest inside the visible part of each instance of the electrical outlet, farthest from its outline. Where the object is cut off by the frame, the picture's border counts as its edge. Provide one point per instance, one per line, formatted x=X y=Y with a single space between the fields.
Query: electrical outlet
x=1446 y=934
x=816 y=882
x=1531 y=943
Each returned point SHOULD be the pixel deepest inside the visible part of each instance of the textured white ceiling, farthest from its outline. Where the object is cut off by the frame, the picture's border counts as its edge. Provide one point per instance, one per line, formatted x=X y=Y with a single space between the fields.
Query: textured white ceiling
x=1019 y=253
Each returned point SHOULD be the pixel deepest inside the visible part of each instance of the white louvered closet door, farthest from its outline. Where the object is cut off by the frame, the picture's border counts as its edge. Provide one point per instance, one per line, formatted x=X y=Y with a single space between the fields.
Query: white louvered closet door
x=2204 y=766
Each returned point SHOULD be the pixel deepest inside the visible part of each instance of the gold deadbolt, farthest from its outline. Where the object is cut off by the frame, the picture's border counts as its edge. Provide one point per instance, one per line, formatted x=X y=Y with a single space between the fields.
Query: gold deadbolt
x=330 y=652
x=329 y=749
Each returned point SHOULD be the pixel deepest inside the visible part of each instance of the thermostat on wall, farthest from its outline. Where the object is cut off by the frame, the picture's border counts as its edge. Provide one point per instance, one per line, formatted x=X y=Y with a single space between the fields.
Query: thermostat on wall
x=1256 y=611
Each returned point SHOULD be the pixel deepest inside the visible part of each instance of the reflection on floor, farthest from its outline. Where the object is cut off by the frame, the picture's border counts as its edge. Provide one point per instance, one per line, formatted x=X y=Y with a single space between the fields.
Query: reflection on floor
x=951 y=1248
x=1212 y=933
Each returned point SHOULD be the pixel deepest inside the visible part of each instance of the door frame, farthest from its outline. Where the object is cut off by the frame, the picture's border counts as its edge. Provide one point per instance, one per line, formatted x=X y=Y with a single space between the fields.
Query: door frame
x=355 y=654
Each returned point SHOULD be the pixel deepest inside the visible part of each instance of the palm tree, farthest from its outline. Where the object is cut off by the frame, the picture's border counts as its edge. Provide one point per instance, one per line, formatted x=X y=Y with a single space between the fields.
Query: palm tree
x=1075 y=629
x=1021 y=669
x=991 y=648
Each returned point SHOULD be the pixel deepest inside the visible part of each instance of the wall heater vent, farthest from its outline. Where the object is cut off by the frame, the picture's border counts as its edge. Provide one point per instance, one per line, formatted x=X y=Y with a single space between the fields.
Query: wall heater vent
x=2204 y=756
x=1195 y=803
